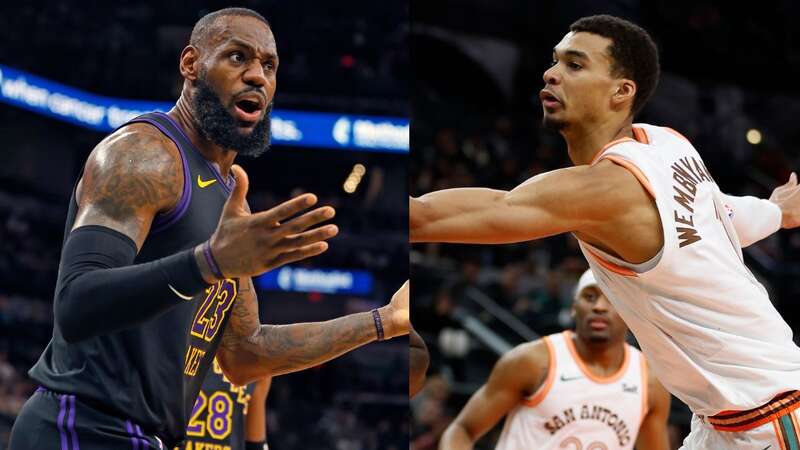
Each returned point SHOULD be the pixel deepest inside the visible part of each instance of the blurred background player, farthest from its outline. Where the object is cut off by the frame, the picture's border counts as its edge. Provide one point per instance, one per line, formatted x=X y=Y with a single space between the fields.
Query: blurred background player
x=351 y=80
x=493 y=136
x=228 y=417
x=587 y=389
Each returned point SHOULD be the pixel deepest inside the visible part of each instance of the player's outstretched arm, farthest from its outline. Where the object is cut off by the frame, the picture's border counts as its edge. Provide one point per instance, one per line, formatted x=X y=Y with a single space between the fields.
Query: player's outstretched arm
x=129 y=178
x=754 y=218
x=517 y=374
x=653 y=430
x=250 y=350
x=550 y=203
x=418 y=360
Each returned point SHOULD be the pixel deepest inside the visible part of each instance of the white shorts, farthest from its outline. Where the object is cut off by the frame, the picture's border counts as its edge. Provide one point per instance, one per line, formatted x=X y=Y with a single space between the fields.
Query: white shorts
x=778 y=434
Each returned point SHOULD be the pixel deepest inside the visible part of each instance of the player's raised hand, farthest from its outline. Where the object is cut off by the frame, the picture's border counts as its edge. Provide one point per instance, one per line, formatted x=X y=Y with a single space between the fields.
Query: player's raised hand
x=246 y=244
x=787 y=197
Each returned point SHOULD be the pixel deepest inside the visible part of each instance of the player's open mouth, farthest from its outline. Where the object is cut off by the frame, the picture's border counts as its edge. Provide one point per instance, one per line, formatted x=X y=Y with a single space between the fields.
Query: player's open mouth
x=249 y=109
x=548 y=99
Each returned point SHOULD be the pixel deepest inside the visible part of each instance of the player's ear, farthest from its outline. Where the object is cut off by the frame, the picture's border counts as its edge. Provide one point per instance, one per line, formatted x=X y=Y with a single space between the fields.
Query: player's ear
x=189 y=63
x=624 y=93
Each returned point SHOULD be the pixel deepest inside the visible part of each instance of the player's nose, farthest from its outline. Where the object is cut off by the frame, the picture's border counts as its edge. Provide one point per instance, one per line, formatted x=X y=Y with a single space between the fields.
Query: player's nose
x=601 y=305
x=255 y=76
x=550 y=76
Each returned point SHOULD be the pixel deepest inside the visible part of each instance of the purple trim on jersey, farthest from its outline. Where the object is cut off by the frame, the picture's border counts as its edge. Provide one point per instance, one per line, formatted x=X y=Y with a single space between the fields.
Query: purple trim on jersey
x=41 y=389
x=62 y=412
x=226 y=185
x=71 y=423
x=144 y=439
x=164 y=221
x=134 y=439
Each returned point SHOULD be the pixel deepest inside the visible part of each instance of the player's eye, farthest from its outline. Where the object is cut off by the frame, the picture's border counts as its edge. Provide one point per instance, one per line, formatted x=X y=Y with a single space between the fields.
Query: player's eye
x=575 y=66
x=236 y=57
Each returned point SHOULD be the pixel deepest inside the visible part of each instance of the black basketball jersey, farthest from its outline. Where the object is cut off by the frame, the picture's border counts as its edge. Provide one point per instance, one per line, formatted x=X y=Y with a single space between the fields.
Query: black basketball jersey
x=218 y=416
x=152 y=373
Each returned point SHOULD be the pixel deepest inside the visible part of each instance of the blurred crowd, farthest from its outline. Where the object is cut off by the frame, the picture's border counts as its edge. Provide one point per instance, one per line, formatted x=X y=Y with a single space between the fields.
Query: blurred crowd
x=367 y=71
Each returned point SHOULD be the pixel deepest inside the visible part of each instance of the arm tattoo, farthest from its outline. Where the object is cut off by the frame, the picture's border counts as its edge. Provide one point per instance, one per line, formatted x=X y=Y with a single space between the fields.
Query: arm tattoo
x=289 y=348
x=128 y=179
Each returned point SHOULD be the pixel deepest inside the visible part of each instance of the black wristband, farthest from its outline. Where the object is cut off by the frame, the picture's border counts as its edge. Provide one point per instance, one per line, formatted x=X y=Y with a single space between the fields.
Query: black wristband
x=376 y=317
x=250 y=445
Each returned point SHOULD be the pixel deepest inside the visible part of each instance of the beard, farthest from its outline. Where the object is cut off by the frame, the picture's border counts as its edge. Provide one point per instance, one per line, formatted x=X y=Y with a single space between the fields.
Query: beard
x=220 y=127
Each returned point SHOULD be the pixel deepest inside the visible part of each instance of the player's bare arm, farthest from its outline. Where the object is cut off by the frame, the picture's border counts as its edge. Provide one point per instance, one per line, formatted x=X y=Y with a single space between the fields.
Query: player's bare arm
x=516 y=375
x=787 y=197
x=653 y=431
x=418 y=360
x=131 y=176
x=250 y=350
x=255 y=428
x=595 y=202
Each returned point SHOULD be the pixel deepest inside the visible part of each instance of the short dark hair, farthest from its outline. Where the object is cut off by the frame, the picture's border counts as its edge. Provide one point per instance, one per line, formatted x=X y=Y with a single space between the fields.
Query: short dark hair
x=206 y=25
x=633 y=53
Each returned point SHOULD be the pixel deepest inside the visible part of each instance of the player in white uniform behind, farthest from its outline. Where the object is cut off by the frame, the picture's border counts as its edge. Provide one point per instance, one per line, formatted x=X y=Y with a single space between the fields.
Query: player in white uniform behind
x=570 y=391
x=663 y=241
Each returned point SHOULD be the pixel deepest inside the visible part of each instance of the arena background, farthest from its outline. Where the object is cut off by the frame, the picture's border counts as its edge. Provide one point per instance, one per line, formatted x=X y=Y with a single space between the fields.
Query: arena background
x=348 y=58
x=729 y=84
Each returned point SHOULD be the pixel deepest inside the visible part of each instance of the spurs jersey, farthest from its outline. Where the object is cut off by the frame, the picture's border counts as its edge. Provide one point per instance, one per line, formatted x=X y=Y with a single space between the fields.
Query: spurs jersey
x=710 y=332
x=575 y=409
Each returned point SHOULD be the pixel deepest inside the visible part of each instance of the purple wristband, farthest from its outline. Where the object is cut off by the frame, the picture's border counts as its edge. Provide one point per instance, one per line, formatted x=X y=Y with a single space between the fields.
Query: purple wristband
x=212 y=263
x=376 y=317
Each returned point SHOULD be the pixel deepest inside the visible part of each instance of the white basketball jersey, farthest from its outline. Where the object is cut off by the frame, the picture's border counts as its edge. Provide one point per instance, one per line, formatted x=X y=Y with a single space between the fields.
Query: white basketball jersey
x=709 y=330
x=576 y=410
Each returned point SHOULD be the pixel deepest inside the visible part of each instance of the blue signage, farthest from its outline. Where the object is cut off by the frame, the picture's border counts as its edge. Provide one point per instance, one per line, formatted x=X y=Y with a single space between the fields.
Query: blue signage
x=301 y=128
x=328 y=281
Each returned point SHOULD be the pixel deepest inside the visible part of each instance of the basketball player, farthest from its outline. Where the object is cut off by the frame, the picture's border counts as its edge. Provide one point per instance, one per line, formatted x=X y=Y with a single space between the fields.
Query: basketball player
x=158 y=252
x=418 y=360
x=587 y=389
x=663 y=241
x=226 y=416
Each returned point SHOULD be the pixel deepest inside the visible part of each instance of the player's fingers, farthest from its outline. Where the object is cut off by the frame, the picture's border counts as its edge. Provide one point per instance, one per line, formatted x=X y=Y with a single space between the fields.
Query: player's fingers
x=309 y=237
x=300 y=254
x=285 y=210
x=236 y=201
x=307 y=220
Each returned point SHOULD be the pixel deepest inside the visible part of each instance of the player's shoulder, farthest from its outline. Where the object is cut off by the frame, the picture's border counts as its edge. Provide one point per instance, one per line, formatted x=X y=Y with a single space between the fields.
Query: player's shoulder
x=534 y=355
x=136 y=149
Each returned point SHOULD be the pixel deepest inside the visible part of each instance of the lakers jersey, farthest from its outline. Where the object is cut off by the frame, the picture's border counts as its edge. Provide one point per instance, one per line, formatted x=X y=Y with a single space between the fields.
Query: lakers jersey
x=218 y=416
x=151 y=373
x=707 y=325
x=577 y=409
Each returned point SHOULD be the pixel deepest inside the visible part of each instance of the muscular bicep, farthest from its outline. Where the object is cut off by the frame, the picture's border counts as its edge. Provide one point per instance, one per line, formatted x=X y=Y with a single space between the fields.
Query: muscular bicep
x=564 y=200
x=516 y=375
x=129 y=178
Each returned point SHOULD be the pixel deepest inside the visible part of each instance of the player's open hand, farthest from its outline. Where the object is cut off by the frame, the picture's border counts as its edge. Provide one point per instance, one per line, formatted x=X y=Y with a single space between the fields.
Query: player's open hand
x=246 y=244
x=787 y=197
